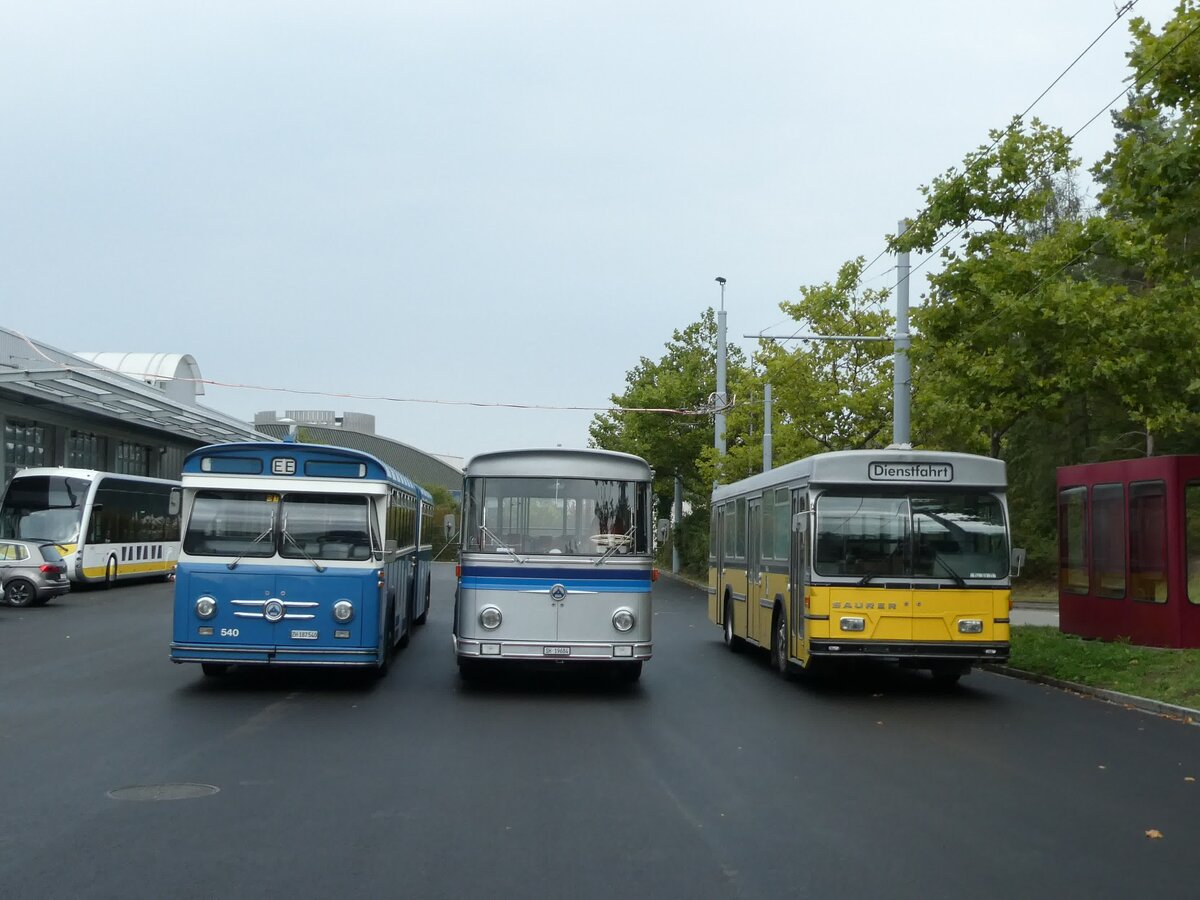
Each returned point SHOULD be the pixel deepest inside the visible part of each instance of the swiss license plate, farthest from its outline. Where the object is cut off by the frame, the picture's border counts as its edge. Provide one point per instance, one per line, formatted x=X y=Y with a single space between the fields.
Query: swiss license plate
x=299 y=634
x=556 y=651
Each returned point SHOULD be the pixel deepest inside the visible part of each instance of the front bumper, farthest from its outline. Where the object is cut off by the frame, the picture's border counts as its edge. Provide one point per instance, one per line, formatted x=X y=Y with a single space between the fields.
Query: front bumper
x=913 y=651
x=273 y=656
x=552 y=651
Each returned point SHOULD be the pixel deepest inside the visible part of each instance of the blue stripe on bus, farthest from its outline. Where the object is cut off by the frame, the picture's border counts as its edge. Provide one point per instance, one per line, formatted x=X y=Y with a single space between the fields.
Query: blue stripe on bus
x=607 y=585
x=557 y=573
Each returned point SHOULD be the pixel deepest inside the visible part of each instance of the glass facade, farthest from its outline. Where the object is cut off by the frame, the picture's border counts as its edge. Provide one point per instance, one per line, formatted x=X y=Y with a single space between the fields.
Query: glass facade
x=25 y=444
x=132 y=459
x=86 y=450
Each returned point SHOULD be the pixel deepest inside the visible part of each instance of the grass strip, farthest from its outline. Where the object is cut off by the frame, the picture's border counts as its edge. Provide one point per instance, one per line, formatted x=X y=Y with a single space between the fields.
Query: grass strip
x=1170 y=676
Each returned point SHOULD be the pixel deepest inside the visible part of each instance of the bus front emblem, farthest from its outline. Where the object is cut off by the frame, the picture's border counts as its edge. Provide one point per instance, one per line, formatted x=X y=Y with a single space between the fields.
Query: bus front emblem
x=558 y=592
x=273 y=610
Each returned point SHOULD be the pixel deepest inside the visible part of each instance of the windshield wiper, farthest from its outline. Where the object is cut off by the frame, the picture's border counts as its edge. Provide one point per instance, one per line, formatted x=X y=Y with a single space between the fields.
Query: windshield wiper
x=958 y=579
x=270 y=528
x=500 y=544
x=287 y=536
x=615 y=545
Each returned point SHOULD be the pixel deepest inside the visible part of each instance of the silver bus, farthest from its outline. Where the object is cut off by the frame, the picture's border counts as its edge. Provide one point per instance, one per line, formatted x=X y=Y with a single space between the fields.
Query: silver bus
x=555 y=561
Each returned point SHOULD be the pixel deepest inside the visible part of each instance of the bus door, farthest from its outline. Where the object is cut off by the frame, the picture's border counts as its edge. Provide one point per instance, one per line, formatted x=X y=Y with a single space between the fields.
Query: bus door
x=718 y=599
x=754 y=579
x=797 y=571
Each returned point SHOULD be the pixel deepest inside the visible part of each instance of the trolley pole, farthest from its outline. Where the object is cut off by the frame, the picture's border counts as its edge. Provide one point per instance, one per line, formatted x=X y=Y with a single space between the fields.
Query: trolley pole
x=719 y=436
x=767 y=438
x=678 y=517
x=902 y=380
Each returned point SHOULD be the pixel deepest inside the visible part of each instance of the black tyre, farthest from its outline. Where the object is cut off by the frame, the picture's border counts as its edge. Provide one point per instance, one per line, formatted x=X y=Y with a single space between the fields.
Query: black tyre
x=948 y=675
x=20 y=592
x=214 y=670
x=469 y=670
x=408 y=622
x=110 y=572
x=629 y=672
x=732 y=641
x=389 y=644
x=779 y=654
x=420 y=620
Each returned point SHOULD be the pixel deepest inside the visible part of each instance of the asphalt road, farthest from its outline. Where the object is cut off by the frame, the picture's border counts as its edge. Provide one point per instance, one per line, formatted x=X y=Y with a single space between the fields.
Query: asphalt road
x=710 y=778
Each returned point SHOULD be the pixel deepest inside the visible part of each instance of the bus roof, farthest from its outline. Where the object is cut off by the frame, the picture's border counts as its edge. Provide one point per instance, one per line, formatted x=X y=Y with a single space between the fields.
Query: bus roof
x=559 y=462
x=304 y=456
x=877 y=467
x=86 y=474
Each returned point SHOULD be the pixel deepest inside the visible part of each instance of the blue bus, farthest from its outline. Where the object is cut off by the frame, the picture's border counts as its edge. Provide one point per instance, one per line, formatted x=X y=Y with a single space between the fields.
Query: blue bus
x=298 y=554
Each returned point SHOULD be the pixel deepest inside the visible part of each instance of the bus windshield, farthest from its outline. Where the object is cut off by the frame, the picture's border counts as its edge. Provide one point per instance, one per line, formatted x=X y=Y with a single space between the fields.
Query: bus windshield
x=558 y=516
x=257 y=524
x=937 y=535
x=44 y=507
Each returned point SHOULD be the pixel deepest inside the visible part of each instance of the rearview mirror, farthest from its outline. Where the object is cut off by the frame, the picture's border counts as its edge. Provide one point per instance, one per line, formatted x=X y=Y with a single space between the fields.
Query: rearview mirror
x=663 y=530
x=1016 y=561
x=174 y=502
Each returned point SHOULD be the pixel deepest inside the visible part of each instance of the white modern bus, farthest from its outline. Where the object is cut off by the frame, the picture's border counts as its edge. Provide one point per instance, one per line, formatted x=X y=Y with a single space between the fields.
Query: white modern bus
x=107 y=527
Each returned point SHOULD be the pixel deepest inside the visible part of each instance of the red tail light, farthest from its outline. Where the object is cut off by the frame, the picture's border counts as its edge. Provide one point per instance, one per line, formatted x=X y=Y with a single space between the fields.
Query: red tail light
x=48 y=569
x=458 y=571
x=654 y=574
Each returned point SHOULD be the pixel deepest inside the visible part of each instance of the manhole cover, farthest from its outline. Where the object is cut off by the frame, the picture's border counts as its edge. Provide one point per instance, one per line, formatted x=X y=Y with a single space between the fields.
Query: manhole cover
x=182 y=791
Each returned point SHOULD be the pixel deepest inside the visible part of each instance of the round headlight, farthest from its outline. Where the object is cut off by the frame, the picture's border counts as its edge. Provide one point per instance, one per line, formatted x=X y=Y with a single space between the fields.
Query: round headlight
x=343 y=611
x=623 y=620
x=206 y=607
x=490 y=618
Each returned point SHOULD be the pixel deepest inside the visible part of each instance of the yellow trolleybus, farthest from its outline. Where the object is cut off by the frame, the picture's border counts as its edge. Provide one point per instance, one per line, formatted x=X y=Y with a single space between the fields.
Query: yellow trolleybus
x=893 y=554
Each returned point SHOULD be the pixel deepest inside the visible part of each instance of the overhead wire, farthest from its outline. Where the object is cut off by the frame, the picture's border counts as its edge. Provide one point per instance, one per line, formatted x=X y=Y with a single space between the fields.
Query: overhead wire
x=1121 y=13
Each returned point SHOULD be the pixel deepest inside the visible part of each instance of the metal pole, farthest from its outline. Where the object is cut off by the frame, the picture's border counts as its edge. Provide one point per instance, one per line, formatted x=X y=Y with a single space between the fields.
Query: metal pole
x=901 y=374
x=719 y=436
x=767 y=441
x=678 y=517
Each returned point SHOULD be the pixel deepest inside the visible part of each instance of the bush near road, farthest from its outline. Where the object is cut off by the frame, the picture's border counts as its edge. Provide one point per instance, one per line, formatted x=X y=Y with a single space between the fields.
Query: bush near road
x=1170 y=676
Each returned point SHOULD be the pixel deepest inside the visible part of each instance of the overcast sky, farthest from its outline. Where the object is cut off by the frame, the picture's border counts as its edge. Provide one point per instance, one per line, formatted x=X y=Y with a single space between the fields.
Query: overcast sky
x=493 y=203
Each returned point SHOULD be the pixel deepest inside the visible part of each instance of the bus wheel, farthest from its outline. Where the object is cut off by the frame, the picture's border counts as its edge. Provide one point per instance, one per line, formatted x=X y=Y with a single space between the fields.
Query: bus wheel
x=19 y=592
x=947 y=675
x=408 y=621
x=629 y=672
x=732 y=641
x=469 y=670
x=420 y=620
x=779 y=654
x=110 y=572
x=214 y=670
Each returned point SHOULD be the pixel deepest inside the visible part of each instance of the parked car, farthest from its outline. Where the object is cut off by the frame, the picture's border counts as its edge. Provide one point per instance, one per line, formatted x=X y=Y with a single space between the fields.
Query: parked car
x=31 y=572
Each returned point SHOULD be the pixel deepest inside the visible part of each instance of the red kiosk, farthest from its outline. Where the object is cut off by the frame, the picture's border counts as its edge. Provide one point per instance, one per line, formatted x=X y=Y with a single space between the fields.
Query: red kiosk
x=1129 y=550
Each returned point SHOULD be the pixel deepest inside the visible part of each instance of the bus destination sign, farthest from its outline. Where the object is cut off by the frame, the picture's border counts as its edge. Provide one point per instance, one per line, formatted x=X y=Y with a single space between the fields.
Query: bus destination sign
x=910 y=471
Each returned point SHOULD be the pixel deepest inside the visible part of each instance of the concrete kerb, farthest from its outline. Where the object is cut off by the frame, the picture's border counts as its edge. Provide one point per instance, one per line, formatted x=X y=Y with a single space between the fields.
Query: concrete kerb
x=1183 y=714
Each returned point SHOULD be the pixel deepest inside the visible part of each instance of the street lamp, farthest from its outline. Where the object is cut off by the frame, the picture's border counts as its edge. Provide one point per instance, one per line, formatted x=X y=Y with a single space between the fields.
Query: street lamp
x=719 y=418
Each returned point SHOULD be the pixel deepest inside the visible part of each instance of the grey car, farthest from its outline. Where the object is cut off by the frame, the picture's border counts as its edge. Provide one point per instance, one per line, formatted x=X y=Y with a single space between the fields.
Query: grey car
x=31 y=572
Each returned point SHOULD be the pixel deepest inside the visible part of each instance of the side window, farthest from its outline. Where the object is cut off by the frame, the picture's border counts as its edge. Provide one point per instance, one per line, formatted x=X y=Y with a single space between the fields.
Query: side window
x=730 y=530
x=712 y=534
x=783 y=522
x=1072 y=540
x=1108 y=540
x=741 y=528
x=1147 y=541
x=766 y=512
x=1192 y=526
